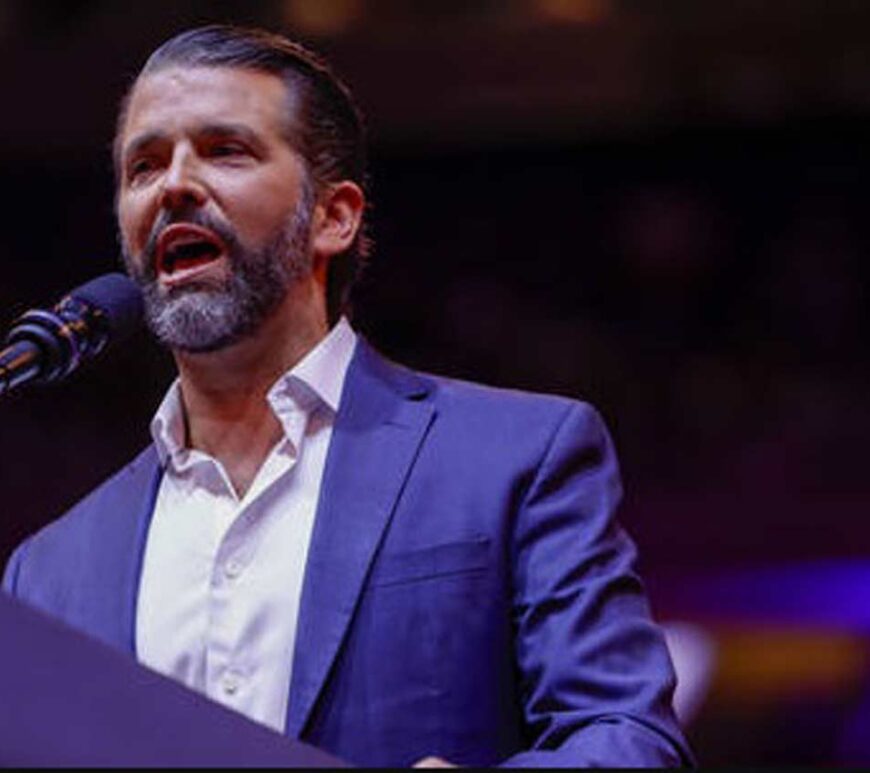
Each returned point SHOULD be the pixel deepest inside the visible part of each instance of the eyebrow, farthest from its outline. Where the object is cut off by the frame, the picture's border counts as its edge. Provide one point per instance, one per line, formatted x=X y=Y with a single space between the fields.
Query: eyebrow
x=208 y=131
x=237 y=130
x=137 y=143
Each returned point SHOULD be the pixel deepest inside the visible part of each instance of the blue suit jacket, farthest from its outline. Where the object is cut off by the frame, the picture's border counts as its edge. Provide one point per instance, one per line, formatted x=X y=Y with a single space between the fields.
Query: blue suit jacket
x=467 y=592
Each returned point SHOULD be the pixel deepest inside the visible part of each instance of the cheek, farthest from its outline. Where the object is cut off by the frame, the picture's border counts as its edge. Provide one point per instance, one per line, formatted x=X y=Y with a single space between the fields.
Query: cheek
x=133 y=224
x=258 y=207
x=257 y=225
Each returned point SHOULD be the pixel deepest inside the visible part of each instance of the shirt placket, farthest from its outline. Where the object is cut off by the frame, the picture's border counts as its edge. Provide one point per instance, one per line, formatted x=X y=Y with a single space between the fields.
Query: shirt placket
x=231 y=652
x=227 y=674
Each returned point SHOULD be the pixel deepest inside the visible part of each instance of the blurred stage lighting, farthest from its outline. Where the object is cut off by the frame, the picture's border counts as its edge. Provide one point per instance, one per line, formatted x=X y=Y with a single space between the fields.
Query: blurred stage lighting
x=573 y=11
x=322 y=18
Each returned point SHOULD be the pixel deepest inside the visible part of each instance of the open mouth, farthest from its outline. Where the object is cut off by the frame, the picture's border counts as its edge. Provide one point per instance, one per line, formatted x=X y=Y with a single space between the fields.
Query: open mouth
x=184 y=248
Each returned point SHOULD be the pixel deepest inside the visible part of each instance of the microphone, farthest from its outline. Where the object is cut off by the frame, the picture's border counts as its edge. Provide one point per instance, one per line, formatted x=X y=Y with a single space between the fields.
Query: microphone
x=47 y=345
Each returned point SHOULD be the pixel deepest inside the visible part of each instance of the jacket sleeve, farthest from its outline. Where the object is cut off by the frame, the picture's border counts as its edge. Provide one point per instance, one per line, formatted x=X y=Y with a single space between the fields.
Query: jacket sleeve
x=596 y=677
x=13 y=566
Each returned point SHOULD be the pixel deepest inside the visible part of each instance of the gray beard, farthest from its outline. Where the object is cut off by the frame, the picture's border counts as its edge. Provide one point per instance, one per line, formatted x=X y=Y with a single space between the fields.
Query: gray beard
x=205 y=317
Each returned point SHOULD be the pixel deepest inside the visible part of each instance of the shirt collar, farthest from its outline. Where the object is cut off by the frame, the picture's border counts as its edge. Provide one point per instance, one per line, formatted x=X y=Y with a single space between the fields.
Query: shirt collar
x=323 y=369
x=317 y=379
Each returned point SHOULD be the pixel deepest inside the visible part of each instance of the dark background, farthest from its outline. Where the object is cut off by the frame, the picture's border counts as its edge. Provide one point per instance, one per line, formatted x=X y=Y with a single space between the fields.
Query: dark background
x=658 y=206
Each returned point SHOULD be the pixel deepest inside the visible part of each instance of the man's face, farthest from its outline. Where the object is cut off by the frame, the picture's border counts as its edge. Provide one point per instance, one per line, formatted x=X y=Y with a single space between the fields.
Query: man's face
x=214 y=205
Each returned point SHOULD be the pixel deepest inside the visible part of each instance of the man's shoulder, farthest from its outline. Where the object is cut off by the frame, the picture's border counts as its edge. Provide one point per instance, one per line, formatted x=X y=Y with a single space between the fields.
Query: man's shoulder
x=476 y=395
x=106 y=509
x=503 y=409
x=462 y=394
x=101 y=502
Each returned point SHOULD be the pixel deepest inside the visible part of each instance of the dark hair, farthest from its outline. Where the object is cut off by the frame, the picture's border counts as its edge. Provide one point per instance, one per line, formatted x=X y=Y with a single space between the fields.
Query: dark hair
x=324 y=123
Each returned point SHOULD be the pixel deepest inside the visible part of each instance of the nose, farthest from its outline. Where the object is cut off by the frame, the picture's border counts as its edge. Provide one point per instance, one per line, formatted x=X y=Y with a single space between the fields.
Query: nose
x=182 y=187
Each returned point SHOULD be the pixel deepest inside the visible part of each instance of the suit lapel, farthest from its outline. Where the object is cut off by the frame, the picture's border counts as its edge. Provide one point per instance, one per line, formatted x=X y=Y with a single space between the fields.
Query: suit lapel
x=147 y=482
x=381 y=423
x=110 y=581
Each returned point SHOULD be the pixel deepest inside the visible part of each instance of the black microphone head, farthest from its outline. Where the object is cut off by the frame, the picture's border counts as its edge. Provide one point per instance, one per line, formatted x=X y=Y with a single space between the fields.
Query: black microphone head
x=47 y=345
x=120 y=300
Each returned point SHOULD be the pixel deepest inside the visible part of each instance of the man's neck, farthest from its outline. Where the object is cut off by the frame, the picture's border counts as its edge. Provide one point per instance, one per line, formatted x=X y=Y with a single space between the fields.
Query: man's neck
x=224 y=392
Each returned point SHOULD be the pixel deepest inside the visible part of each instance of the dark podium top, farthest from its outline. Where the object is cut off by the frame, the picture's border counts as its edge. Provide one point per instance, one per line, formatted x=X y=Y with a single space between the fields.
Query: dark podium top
x=68 y=700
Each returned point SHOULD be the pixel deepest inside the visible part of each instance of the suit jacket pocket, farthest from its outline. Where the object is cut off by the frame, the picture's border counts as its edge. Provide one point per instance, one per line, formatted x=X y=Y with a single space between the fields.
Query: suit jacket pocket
x=393 y=568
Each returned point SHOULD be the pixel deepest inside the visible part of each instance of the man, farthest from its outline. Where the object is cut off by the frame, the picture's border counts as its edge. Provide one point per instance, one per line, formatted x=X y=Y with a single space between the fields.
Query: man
x=385 y=564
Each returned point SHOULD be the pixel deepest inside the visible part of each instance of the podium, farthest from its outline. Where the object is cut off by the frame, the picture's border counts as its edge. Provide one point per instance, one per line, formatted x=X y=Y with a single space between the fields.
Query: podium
x=68 y=700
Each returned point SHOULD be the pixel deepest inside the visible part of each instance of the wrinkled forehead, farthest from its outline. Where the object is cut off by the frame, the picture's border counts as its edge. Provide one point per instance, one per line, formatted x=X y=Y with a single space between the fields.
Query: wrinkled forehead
x=174 y=98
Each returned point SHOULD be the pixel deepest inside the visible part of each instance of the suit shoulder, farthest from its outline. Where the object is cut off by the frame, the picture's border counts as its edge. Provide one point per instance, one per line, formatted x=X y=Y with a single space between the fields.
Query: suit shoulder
x=89 y=515
x=461 y=396
x=534 y=406
x=496 y=416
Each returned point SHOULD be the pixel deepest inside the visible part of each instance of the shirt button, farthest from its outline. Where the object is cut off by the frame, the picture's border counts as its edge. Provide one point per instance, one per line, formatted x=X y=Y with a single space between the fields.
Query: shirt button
x=231 y=682
x=233 y=568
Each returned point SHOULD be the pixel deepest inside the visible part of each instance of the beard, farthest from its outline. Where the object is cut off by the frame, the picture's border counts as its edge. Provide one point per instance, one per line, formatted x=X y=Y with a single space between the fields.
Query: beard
x=204 y=317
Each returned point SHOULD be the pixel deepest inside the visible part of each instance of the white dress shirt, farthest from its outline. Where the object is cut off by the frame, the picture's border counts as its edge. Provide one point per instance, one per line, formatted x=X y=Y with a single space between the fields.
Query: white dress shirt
x=222 y=576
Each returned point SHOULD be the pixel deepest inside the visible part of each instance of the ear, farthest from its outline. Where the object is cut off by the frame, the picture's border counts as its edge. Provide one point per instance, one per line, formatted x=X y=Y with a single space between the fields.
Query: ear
x=337 y=218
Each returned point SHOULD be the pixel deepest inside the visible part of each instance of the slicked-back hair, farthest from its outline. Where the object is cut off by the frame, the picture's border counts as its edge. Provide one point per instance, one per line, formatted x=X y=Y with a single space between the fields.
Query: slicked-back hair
x=324 y=124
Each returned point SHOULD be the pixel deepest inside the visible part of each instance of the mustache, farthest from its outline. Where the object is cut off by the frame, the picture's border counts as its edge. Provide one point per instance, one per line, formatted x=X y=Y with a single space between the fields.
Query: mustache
x=196 y=217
